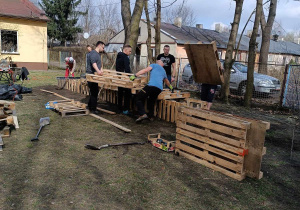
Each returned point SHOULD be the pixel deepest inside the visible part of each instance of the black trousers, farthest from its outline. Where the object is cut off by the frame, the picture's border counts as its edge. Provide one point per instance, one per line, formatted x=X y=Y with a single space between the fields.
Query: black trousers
x=151 y=92
x=126 y=93
x=94 y=90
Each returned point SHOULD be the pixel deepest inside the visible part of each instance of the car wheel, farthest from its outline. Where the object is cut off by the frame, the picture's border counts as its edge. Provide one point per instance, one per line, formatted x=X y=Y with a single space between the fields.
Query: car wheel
x=242 y=89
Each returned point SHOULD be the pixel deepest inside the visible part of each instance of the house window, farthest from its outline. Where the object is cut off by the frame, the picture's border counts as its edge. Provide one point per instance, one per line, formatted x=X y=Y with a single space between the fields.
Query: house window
x=139 y=31
x=9 y=41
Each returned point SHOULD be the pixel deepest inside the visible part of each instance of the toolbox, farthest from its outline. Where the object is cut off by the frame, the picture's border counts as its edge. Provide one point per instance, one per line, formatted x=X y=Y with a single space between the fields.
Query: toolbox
x=157 y=141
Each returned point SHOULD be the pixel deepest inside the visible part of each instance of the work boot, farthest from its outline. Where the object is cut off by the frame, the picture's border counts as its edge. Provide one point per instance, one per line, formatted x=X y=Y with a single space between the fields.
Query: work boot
x=95 y=111
x=141 y=118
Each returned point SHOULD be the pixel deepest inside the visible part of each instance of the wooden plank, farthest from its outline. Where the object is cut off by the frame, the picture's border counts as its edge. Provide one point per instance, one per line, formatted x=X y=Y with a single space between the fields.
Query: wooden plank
x=173 y=105
x=106 y=111
x=112 y=123
x=8 y=104
x=215 y=127
x=163 y=110
x=168 y=104
x=255 y=144
x=205 y=138
x=216 y=117
x=212 y=159
x=207 y=147
x=16 y=123
x=47 y=91
x=9 y=120
x=236 y=176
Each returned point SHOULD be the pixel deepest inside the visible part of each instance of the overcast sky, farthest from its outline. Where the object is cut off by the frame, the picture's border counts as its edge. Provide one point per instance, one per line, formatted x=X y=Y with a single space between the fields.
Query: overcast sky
x=221 y=11
x=212 y=11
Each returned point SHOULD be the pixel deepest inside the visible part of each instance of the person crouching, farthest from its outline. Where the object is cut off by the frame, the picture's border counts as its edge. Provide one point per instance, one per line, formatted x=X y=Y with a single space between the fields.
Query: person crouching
x=152 y=89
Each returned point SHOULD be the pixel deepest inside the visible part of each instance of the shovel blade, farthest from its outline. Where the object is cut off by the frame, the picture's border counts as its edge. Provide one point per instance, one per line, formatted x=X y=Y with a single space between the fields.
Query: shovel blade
x=88 y=146
x=44 y=121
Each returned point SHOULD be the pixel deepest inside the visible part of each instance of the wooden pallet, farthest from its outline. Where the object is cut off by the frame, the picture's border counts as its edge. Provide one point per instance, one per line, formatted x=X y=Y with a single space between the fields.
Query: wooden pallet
x=8 y=119
x=113 y=79
x=167 y=110
x=229 y=144
x=167 y=94
x=215 y=141
x=205 y=63
x=196 y=103
x=69 y=107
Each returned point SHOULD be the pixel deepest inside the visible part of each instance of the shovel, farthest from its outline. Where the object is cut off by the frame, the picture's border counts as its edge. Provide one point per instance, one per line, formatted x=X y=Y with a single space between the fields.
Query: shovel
x=43 y=121
x=88 y=146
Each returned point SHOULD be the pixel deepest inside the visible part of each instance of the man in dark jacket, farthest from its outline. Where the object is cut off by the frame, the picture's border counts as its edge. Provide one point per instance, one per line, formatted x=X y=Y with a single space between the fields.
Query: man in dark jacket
x=123 y=65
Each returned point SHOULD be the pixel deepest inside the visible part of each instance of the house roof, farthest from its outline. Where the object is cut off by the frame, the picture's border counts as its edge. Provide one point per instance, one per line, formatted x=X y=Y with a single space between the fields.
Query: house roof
x=194 y=35
x=21 y=9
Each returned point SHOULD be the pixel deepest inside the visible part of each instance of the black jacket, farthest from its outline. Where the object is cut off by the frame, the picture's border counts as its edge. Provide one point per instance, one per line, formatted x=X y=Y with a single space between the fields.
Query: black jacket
x=122 y=63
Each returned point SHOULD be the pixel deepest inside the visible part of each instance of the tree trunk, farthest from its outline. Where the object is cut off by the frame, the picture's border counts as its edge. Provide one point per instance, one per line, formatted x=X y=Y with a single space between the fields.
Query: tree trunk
x=126 y=18
x=252 y=55
x=265 y=42
x=148 y=42
x=131 y=25
x=157 y=28
x=263 y=22
x=229 y=51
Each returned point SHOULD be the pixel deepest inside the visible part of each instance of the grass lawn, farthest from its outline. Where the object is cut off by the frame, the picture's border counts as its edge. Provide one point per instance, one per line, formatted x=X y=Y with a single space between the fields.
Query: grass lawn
x=57 y=172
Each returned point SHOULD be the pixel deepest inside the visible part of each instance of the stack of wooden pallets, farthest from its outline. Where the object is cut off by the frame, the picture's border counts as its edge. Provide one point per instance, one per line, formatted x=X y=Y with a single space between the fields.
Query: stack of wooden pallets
x=228 y=144
x=69 y=108
x=8 y=119
x=112 y=79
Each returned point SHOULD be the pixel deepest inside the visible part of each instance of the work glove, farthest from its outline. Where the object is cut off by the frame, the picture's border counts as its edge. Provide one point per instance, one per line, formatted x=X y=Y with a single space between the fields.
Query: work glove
x=132 y=78
x=171 y=88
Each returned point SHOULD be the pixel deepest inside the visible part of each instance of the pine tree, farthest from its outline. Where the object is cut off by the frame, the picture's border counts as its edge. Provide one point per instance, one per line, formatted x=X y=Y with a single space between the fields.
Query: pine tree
x=63 y=19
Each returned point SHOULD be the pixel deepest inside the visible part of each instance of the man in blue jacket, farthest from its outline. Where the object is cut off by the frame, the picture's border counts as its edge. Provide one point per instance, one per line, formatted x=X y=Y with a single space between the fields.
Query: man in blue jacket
x=123 y=65
x=152 y=89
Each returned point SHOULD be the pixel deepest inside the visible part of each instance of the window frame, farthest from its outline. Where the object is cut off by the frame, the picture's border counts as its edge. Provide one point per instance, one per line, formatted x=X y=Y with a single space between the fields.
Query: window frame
x=4 y=52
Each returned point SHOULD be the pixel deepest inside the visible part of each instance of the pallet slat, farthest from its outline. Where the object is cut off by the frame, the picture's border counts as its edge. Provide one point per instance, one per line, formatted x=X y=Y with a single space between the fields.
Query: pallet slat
x=226 y=143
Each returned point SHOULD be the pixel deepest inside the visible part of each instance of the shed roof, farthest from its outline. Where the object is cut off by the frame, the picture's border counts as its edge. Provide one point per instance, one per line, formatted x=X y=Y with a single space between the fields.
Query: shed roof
x=192 y=35
x=21 y=9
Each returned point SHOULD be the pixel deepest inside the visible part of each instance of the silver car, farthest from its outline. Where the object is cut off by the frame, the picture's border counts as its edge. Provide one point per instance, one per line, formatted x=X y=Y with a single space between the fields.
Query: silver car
x=238 y=79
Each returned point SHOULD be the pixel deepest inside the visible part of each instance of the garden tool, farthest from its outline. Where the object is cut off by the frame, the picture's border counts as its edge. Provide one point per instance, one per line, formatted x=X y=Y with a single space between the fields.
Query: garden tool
x=43 y=121
x=88 y=146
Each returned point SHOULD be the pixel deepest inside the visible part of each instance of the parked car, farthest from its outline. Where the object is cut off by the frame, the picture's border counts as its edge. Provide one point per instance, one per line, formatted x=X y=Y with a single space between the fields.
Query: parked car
x=238 y=79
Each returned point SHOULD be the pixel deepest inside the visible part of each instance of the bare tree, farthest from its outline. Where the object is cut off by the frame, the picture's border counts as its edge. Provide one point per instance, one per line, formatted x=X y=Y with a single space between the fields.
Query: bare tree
x=252 y=55
x=266 y=33
x=148 y=42
x=157 y=28
x=290 y=36
x=109 y=21
x=230 y=47
x=102 y=20
x=131 y=24
x=88 y=21
x=184 y=11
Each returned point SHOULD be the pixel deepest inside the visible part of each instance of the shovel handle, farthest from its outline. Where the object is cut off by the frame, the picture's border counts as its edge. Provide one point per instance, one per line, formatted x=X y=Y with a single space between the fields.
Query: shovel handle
x=38 y=133
x=129 y=143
